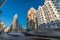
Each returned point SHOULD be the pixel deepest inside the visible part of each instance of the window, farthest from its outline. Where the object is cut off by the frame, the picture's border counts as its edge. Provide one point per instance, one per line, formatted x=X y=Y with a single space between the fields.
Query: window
x=42 y=17
x=55 y=15
x=58 y=10
x=48 y=11
x=51 y=0
x=58 y=25
x=51 y=9
x=49 y=4
x=59 y=16
x=50 y=17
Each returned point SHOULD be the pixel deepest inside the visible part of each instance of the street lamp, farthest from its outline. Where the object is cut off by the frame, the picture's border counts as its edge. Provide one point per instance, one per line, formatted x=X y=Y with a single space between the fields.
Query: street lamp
x=1 y=3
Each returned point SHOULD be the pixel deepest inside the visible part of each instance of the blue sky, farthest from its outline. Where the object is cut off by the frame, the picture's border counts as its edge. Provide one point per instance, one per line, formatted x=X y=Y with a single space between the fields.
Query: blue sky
x=21 y=7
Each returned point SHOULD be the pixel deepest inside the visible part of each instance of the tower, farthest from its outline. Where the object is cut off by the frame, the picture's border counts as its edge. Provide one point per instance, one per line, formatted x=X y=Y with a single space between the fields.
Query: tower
x=15 y=26
x=32 y=19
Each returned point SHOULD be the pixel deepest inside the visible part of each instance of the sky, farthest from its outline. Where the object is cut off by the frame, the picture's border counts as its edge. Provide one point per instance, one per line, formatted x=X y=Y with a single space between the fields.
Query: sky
x=20 y=7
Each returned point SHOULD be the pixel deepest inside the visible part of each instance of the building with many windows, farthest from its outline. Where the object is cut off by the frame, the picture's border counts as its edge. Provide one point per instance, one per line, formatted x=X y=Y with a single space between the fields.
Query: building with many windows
x=48 y=15
x=15 y=26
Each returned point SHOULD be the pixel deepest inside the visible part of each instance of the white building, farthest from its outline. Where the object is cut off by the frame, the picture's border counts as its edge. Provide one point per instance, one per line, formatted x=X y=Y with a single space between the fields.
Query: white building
x=48 y=14
x=15 y=26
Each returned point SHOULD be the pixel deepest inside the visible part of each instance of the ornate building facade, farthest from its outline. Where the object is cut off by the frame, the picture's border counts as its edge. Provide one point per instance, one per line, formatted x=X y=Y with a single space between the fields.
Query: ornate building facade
x=32 y=19
x=48 y=15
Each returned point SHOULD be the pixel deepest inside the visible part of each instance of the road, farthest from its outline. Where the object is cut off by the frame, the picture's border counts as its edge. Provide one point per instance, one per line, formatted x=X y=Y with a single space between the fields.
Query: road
x=6 y=36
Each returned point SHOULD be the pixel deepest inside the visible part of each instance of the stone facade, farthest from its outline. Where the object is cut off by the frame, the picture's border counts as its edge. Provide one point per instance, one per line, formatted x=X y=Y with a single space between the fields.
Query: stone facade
x=48 y=15
x=32 y=19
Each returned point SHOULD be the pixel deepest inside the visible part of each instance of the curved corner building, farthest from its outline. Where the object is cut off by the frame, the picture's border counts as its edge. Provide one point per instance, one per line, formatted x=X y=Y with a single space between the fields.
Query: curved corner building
x=48 y=15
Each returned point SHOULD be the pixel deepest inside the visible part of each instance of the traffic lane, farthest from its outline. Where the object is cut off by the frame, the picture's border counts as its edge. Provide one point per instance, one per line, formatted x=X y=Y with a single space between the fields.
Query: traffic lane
x=37 y=38
x=13 y=37
x=41 y=38
x=22 y=37
x=10 y=37
x=27 y=38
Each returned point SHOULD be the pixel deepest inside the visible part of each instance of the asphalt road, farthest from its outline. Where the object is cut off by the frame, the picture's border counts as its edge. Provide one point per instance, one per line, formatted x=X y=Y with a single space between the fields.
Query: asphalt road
x=5 y=36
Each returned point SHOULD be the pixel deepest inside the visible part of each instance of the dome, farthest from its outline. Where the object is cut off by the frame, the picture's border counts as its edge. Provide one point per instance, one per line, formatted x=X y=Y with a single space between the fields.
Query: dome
x=31 y=10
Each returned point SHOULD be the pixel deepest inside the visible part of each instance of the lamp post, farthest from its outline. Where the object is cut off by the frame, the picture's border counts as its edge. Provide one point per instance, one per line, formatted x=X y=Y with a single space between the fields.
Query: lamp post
x=1 y=3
